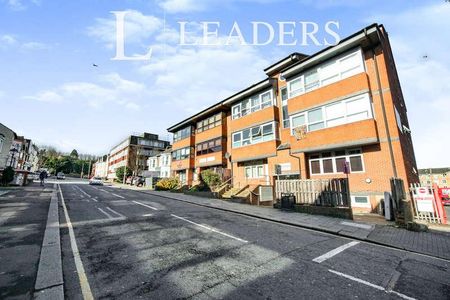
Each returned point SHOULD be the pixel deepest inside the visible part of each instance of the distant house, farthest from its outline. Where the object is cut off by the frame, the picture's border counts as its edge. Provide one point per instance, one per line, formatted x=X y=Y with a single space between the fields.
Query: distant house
x=439 y=176
x=159 y=165
x=7 y=137
x=100 y=168
x=134 y=152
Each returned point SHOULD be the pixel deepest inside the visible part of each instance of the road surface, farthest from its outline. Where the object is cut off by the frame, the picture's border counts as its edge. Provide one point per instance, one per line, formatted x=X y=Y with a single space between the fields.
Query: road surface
x=134 y=245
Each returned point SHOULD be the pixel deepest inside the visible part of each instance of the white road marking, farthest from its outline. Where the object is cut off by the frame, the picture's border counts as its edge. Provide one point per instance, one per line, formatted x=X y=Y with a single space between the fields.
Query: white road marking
x=145 y=205
x=115 y=212
x=118 y=196
x=95 y=199
x=93 y=222
x=380 y=288
x=105 y=213
x=84 y=283
x=147 y=215
x=210 y=229
x=83 y=192
x=364 y=226
x=334 y=252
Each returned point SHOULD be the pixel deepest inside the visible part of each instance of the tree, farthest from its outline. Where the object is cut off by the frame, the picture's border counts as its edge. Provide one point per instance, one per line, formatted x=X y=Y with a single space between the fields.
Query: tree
x=120 y=172
x=74 y=154
x=7 y=175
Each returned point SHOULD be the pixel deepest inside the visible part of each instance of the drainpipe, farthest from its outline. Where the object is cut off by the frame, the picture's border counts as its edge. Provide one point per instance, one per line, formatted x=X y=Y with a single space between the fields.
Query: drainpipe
x=299 y=163
x=383 y=107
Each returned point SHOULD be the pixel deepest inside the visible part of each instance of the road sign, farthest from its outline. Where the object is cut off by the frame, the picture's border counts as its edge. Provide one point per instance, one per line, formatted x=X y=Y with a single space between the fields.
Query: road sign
x=424 y=199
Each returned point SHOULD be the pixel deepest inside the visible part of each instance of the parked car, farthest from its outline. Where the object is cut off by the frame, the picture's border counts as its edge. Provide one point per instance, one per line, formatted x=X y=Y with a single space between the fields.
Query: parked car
x=444 y=193
x=60 y=176
x=138 y=181
x=95 y=181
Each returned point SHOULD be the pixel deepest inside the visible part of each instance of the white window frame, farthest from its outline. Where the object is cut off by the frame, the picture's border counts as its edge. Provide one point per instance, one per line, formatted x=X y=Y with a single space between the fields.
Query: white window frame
x=284 y=103
x=251 y=140
x=251 y=108
x=339 y=73
x=334 y=157
x=326 y=120
x=361 y=205
x=255 y=170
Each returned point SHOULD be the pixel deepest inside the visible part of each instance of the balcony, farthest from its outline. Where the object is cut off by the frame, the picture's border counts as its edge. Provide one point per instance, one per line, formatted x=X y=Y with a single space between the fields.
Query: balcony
x=348 y=135
x=211 y=159
x=256 y=151
x=265 y=115
x=182 y=164
x=335 y=91
x=212 y=133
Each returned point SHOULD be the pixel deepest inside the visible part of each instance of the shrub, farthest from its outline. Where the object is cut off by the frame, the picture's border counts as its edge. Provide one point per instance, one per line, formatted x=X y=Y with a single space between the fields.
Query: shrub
x=167 y=184
x=120 y=172
x=7 y=175
x=210 y=178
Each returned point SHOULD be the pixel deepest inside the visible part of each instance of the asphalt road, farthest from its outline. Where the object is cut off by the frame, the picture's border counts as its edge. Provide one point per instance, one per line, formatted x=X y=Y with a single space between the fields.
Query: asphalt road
x=135 y=245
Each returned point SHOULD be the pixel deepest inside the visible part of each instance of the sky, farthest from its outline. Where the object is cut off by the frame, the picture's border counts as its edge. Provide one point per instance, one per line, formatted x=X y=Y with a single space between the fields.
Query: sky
x=51 y=92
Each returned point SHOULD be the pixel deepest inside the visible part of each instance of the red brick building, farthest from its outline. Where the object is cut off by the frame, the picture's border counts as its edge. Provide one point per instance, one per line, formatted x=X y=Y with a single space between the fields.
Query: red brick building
x=309 y=116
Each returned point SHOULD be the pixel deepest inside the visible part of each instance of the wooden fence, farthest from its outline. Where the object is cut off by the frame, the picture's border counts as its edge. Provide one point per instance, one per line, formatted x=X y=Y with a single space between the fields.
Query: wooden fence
x=322 y=192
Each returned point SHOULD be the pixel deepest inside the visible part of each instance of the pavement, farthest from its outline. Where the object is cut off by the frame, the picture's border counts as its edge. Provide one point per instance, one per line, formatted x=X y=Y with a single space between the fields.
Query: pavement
x=23 y=219
x=126 y=244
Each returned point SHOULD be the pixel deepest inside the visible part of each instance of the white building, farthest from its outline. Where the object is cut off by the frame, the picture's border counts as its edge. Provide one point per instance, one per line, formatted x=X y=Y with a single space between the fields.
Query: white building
x=7 y=136
x=101 y=167
x=159 y=165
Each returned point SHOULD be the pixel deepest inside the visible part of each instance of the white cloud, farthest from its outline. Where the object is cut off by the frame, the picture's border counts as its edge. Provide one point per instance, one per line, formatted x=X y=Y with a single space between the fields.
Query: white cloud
x=110 y=89
x=186 y=6
x=18 y=5
x=46 y=96
x=421 y=52
x=34 y=46
x=7 y=40
x=138 y=28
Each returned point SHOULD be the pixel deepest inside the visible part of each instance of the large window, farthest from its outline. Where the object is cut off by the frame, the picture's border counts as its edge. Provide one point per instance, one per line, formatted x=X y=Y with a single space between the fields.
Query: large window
x=329 y=72
x=181 y=153
x=182 y=134
x=209 y=147
x=333 y=162
x=337 y=113
x=252 y=172
x=209 y=123
x=284 y=104
x=253 y=104
x=254 y=135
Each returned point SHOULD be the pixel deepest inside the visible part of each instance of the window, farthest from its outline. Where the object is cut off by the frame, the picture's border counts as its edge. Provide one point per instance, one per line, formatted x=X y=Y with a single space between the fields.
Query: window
x=182 y=134
x=252 y=172
x=284 y=104
x=360 y=201
x=399 y=120
x=329 y=72
x=350 y=110
x=333 y=162
x=181 y=153
x=211 y=146
x=254 y=135
x=252 y=105
x=209 y=123
x=2 y=139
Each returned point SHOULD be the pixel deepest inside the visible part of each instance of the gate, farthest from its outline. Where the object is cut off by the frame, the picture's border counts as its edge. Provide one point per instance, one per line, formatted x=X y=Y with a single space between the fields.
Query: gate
x=320 y=192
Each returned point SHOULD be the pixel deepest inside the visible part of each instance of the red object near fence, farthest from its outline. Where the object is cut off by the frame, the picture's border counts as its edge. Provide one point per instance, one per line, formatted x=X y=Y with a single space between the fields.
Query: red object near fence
x=439 y=204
